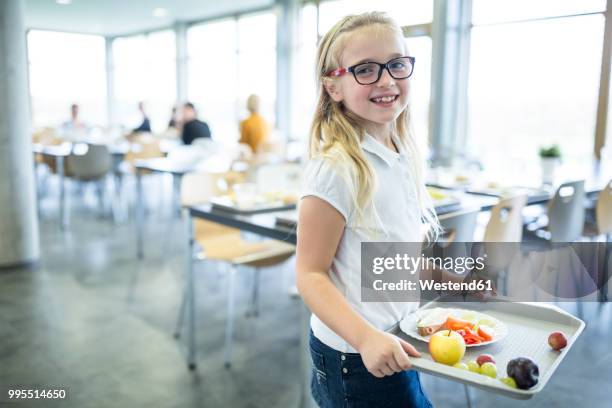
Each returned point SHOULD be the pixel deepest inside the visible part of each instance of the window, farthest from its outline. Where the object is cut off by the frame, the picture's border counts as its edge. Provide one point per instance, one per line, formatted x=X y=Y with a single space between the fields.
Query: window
x=533 y=84
x=257 y=62
x=66 y=69
x=145 y=70
x=227 y=61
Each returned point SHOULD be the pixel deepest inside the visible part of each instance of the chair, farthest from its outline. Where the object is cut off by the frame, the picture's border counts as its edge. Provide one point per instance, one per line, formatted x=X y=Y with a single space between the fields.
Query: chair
x=603 y=211
x=143 y=147
x=94 y=164
x=285 y=177
x=506 y=222
x=565 y=223
x=90 y=163
x=566 y=212
x=505 y=225
x=224 y=244
x=603 y=226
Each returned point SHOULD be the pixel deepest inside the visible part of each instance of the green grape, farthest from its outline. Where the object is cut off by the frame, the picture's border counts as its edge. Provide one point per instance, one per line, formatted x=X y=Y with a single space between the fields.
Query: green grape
x=489 y=369
x=509 y=381
x=473 y=367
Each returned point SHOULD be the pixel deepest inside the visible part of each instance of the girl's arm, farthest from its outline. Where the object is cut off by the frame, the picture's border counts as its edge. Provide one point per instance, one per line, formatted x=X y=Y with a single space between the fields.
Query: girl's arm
x=320 y=227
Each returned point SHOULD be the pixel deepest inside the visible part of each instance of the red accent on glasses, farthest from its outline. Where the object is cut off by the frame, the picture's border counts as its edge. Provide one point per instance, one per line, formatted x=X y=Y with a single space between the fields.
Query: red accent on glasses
x=337 y=72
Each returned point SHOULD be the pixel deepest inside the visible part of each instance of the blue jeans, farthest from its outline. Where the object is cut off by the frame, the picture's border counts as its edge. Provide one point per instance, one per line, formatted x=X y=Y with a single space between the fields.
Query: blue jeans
x=341 y=380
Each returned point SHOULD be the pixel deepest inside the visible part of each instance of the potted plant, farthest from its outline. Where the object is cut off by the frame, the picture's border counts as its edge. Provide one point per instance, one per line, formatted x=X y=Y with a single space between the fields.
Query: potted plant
x=550 y=157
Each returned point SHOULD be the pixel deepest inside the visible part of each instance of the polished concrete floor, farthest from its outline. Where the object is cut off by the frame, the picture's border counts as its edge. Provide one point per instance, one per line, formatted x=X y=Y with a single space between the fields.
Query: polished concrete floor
x=92 y=318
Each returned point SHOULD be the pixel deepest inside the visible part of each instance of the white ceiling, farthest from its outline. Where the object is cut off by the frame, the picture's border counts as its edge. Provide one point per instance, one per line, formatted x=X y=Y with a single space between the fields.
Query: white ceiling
x=114 y=17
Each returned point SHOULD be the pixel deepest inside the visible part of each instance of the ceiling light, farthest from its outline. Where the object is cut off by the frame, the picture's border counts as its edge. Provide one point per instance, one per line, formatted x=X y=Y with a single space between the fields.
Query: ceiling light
x=160 y=12
x=63 y=2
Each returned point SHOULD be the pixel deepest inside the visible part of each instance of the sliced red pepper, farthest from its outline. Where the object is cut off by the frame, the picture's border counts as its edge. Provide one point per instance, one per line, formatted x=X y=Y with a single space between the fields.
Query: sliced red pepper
x=455 y=324
x=485 y=333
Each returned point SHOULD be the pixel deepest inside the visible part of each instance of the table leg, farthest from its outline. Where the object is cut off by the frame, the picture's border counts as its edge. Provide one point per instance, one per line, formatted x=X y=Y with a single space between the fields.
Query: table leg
x=305 y=400
x=61 y=172
x=176 y=191
x=139 y=216
x=191 y=293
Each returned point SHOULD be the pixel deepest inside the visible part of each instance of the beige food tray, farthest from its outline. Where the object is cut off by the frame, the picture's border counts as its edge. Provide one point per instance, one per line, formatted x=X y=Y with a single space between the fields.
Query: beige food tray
x=529 y=325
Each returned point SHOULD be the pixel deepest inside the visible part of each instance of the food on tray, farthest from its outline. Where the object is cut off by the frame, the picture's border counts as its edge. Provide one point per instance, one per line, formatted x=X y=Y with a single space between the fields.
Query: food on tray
x=447 y=347
x=461 y=365
x=462 y=178
x=524 y=371
x=472 y=336
x=432 y=322
x=485 y=333
x=557 y=340
x=489 y=369
x=244 y=197
x=485 y=358
x=437 y=194
x=473 y=366
x=476 y=328
x=454 y=323
x=284 y=196
x=509 y=381
x=472 y=329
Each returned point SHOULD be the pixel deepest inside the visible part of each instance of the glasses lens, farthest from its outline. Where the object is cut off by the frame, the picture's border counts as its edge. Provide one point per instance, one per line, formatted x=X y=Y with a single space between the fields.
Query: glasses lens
x=400 y=68
x=366 y=73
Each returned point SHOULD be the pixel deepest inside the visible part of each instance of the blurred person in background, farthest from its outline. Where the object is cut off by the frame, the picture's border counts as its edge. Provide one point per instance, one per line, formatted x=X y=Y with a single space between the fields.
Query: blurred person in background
x=145 y=126
x=73 y=129
x=75 y=121
x=193 y=128
x=174 y=122
x=254 y=130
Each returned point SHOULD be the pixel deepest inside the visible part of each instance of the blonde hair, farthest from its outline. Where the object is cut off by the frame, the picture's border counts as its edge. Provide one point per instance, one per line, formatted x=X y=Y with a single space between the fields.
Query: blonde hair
x=336 y=132
x=253 y=103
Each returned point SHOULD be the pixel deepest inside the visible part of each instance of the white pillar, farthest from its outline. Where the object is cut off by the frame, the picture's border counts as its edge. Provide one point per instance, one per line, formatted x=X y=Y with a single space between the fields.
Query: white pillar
x=18 y=219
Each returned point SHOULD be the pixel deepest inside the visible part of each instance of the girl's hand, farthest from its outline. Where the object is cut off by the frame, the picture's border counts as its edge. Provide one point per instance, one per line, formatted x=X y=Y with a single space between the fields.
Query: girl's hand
x=385 y=354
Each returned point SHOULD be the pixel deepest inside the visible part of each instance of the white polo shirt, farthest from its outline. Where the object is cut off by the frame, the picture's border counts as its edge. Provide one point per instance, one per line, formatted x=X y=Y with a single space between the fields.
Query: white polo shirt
x=396 y=203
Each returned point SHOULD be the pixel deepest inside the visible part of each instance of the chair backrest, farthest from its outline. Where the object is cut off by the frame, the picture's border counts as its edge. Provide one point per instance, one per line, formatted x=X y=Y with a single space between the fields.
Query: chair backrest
x=47 y=137
x=94 y=164
x=198 y=188
x=459 y=226
x=143 y=148
x=279 y=177
x=566 y=212
x=603 y=210
x=506 y=222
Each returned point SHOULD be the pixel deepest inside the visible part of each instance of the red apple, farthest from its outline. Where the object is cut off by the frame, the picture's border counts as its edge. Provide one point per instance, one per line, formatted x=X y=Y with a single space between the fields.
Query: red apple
x=557 y=340
x=485 y=358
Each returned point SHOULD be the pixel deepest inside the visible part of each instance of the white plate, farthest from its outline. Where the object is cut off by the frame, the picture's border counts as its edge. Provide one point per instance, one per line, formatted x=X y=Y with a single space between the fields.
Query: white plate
x=409 y=324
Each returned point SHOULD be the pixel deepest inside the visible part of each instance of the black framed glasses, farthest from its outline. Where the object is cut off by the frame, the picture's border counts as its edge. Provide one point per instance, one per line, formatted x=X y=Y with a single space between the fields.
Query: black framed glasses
x=368 y=73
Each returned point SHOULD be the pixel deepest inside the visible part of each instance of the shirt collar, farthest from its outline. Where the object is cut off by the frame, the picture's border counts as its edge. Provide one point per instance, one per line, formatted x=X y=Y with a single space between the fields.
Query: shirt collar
x=375 y=147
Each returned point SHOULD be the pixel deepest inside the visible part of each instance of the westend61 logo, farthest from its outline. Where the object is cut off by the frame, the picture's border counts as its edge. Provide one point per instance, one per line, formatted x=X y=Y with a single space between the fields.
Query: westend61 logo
x=517 y=271
x=412 y=265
